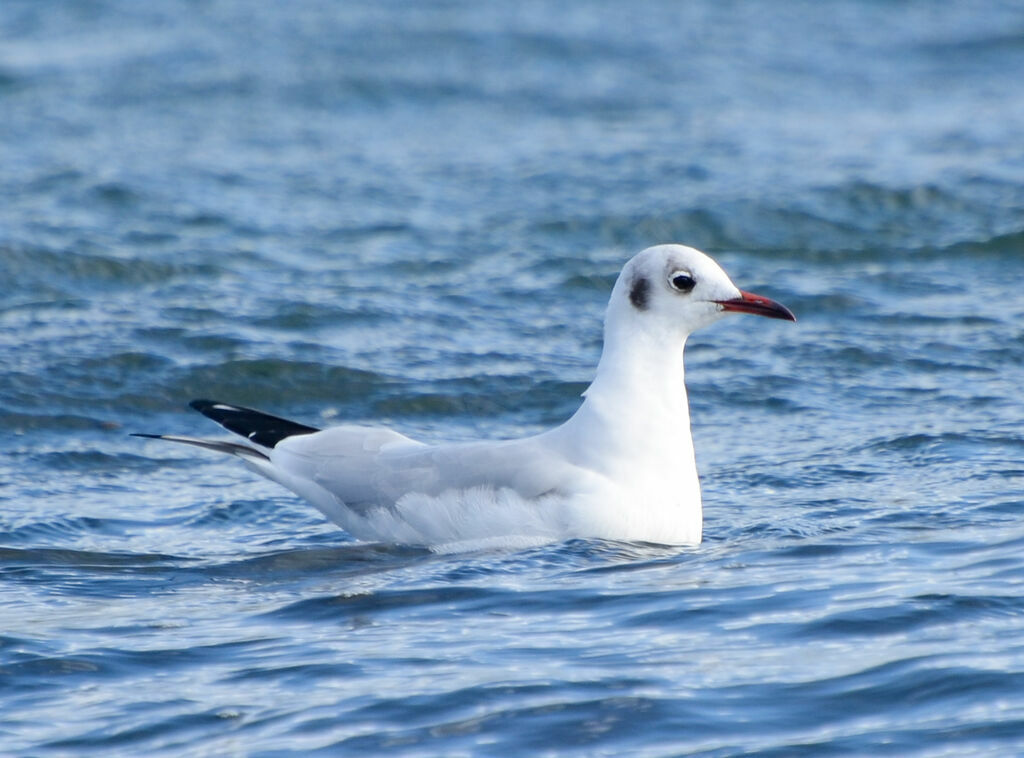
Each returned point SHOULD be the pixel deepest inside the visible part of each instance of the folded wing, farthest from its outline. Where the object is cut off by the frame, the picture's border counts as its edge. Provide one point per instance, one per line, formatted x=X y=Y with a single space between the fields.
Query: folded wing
x=371 y=466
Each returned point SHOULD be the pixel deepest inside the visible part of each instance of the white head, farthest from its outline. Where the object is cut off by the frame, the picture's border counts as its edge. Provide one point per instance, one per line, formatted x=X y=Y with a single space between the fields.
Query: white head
x=673 y=290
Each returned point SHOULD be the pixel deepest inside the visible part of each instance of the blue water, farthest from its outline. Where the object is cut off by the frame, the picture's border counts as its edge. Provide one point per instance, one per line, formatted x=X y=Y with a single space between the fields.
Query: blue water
x=413 y=214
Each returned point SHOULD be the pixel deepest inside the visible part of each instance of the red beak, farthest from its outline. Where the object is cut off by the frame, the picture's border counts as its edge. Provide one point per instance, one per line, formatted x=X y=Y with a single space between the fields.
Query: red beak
x=748 y=302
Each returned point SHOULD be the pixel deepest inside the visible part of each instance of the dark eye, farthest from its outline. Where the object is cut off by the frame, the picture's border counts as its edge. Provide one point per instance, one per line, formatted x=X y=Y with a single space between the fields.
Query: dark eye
x=682 y=281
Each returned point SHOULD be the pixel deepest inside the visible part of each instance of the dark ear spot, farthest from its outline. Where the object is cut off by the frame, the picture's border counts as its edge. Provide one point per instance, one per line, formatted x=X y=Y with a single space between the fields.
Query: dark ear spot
x=638 y=293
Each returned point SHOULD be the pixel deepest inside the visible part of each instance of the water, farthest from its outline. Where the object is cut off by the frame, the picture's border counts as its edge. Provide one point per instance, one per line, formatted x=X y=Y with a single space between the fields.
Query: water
x=413 y=215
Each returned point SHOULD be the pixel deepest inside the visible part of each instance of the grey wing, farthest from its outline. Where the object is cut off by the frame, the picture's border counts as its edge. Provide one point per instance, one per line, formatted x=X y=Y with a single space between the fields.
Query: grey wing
x=345 y=460
x=368 y=466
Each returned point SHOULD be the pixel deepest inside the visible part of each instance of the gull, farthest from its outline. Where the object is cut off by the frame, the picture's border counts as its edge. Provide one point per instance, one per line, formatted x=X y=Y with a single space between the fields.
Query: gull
x=622 y=467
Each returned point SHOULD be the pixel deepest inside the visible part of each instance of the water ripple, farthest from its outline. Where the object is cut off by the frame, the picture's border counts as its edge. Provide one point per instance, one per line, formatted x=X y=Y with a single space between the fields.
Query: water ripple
x=413 y=213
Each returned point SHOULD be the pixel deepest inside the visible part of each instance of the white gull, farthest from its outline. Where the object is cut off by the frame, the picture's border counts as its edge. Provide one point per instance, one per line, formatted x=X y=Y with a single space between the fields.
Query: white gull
x=622 y=467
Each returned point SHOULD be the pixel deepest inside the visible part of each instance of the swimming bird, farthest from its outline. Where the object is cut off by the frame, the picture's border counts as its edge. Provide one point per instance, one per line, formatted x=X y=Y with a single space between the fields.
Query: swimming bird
x=622 y=467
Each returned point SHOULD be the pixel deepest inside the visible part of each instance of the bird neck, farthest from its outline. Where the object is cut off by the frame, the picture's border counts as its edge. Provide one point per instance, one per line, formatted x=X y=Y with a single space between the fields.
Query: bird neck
x=637 y=400
x=633 y=434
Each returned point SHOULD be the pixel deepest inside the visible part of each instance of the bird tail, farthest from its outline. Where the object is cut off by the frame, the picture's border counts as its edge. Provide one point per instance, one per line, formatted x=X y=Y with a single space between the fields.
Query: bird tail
x=266 y=431
x=257 y=427
x=231 y=448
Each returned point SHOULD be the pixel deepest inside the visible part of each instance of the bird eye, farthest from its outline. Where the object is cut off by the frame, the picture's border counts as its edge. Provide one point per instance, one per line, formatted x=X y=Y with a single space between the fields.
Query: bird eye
x=682 y=281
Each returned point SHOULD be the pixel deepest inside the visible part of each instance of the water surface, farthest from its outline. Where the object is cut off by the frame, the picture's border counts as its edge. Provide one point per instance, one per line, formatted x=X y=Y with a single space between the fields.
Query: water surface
x=374 y=212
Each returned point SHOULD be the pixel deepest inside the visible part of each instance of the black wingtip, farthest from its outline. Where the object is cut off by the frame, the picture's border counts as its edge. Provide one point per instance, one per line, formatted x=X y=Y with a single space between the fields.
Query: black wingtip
x=256 y=426
x=147 y=436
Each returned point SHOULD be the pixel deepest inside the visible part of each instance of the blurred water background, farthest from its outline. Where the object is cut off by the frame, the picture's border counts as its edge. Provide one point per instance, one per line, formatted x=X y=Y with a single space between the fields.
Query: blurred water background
x=412 y=214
